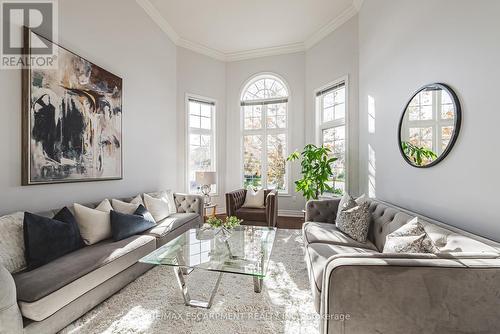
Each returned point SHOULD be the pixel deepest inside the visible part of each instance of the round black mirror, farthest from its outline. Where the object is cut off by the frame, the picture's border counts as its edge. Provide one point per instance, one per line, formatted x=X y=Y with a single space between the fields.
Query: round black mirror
x=429 y=126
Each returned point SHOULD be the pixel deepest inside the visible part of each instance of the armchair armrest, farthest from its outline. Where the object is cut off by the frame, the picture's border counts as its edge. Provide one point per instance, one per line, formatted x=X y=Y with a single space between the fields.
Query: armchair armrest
x=421 y=293
x=234 y=201
x=11 y=321
x=189 y=203
x=272 y=208
x=323 y=211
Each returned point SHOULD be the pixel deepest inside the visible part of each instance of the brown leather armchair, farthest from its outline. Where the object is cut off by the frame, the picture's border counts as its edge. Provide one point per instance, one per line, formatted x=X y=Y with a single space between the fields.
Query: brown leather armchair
x=253 y=216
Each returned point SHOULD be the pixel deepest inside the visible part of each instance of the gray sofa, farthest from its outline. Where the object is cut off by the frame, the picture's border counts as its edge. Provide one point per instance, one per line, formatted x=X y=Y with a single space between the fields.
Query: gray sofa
x=359 y=289
x=50 y=297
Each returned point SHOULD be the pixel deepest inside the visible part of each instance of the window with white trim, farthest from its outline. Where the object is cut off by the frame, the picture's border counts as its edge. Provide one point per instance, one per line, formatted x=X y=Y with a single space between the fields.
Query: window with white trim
x=201 y=140
x=264 y=108
x=331 y=105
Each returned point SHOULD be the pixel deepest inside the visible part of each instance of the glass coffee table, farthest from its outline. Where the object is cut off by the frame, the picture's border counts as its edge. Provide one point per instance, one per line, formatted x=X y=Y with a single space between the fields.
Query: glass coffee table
x=245 y=251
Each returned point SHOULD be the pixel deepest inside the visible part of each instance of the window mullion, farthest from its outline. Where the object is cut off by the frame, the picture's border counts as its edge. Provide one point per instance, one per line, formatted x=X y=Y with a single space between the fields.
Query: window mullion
x=264 y=147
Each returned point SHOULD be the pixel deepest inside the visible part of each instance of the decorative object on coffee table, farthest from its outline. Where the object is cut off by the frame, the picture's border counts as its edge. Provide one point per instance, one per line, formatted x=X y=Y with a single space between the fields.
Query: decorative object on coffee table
x=246 y=251
x=205 y=181
x=72 y=120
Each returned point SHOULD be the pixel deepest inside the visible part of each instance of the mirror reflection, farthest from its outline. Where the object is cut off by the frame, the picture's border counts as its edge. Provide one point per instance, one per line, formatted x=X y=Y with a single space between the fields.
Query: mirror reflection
x=429 y=125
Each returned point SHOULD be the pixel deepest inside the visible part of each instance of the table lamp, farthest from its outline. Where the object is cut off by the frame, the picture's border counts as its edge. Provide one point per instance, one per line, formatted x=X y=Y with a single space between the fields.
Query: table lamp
x=205 y=181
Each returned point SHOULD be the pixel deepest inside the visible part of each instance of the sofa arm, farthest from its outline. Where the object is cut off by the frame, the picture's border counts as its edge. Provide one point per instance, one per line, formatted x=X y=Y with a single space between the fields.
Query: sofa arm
x=323 y=211
x=234 y=201
x=272 y=208
x=187 y=203
x=383 y=293
x=11 y=321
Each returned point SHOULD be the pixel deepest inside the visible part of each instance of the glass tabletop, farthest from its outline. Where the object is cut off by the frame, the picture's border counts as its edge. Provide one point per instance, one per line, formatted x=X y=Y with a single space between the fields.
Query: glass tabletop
x=245 y=250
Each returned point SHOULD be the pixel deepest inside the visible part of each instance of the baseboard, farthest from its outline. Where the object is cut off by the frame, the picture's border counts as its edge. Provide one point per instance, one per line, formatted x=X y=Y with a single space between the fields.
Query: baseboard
x=290 y=213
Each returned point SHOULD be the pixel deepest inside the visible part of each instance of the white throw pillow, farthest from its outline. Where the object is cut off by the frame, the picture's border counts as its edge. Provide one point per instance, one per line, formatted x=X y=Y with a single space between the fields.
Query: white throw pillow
x=94 y=224
x=137 y=200
x=12 y=242
x=254 y=199
x=124 y=207
x=158 y=207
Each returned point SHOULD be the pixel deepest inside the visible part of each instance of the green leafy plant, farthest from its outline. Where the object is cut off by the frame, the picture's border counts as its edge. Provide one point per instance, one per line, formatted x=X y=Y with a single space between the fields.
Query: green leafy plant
x=228 y=223
x=418 y=154
x=316 y=171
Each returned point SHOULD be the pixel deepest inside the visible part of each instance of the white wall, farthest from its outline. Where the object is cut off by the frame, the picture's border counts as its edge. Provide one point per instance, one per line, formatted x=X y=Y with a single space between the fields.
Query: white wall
x=404 y=45
x=140 y=53
x=334 y=57
x=291 y=68
x=201 y=75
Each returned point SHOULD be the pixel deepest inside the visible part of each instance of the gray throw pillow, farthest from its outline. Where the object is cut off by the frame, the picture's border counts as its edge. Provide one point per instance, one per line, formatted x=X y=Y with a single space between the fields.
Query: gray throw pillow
x=409 y=238
x=355 y=222
x=346 y=202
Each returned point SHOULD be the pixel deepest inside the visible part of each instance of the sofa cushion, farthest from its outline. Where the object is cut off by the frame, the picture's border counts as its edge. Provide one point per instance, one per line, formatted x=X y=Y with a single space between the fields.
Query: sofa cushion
x=45 y=290
x=329 y=234
x=171 y=223
x=319 y=254
x=251 y=214
x=457 y=245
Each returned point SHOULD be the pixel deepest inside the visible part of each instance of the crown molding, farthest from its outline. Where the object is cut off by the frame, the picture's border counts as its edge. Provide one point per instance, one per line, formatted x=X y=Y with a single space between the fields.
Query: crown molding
x=205 y=50
x=333 y=25
x=155 y=15
x=264 y=52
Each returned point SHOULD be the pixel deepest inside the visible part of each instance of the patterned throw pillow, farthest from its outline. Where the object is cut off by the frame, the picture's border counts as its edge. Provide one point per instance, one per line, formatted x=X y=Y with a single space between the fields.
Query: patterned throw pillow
x=355 y=222
x=409 y=238
x=346 y=202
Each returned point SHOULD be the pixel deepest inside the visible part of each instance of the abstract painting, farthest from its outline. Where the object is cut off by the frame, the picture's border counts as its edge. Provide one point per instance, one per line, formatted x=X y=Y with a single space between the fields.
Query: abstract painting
x=72 y=121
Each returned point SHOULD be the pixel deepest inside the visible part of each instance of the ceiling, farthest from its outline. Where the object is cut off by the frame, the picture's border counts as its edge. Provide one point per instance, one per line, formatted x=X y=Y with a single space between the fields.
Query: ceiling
x=241 y=29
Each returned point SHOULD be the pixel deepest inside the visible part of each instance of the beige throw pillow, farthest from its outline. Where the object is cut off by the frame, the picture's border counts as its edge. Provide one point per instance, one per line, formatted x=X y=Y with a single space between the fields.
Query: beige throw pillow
x=94 y=224
x=158 y=207
x=254 y=199
x=137 y=200
x=124 y=207
x=12 y=242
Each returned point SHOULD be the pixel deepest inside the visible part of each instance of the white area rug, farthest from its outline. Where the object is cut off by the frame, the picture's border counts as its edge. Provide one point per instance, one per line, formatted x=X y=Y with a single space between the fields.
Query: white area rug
x=154 y=304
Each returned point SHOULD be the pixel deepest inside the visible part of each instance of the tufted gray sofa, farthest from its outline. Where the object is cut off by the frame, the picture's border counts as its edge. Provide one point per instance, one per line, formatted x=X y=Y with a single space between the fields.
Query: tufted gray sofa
x=359 y=289
x=48 y=298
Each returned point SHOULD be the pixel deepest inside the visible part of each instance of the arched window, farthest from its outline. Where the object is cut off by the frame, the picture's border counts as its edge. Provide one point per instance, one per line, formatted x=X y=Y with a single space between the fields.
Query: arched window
x=264 y=108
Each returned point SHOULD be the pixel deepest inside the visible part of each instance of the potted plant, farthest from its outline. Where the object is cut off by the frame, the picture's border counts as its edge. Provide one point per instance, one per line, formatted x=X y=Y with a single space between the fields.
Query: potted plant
x=316 y=171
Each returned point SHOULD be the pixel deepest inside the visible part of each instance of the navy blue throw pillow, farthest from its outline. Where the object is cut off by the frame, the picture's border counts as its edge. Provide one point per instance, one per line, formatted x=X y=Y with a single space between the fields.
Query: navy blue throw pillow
x=124 y=226
x=46 y=239
x=142 y=211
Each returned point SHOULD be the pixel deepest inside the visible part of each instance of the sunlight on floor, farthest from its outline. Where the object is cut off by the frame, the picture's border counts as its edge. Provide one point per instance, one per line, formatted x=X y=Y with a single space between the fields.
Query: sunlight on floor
x=138 y=319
